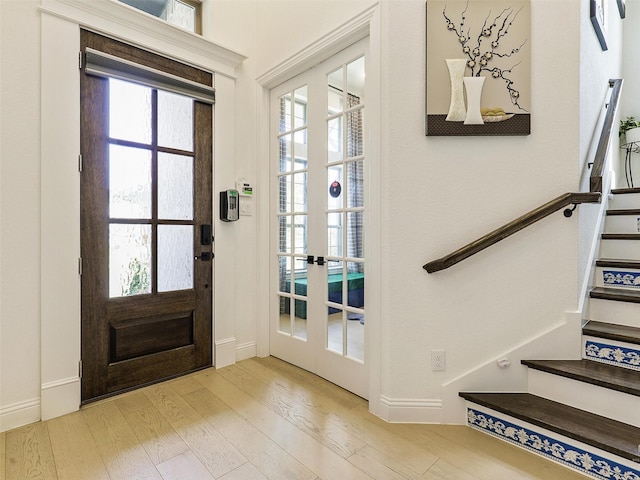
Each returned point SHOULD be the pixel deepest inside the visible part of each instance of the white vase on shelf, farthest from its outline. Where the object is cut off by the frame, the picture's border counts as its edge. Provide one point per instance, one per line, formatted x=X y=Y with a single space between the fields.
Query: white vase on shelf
x=457 y=111
x=473 y=87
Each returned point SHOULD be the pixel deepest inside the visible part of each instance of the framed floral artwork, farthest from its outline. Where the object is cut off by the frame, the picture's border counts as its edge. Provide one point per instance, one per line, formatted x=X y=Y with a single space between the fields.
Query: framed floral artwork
x=478 y=67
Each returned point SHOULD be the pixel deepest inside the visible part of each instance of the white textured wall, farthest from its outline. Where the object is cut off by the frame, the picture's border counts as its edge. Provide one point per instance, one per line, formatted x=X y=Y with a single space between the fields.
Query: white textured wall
x=20 y=204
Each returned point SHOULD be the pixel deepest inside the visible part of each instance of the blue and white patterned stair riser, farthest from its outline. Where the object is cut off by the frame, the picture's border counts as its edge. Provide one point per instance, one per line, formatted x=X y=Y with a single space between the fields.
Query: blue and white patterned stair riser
x=614 y=278
x=563 y=451
x=621 y=356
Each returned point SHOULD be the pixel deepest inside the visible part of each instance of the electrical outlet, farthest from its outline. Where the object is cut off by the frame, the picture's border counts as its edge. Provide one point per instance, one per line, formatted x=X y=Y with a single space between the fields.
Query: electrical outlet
x=438 y=360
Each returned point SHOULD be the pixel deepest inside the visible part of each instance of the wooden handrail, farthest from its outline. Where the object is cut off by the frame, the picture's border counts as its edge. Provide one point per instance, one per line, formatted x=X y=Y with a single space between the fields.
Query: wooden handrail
x=595 y=183
x=593 y=196
x=510 y=228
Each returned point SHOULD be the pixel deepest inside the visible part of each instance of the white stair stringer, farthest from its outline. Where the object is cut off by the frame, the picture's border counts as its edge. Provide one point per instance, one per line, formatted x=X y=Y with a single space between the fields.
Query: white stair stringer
x=591 y=398
x=571 y=453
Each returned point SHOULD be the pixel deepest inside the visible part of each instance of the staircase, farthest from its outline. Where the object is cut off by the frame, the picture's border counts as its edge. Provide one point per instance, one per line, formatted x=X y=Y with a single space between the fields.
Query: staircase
x=585 y=414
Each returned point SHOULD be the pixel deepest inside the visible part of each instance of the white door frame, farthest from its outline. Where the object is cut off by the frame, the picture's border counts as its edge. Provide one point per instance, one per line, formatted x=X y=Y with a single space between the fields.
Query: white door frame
x=366 y=24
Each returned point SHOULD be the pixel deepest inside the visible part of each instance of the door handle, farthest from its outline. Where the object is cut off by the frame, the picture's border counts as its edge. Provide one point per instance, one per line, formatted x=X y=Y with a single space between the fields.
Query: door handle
x=320 y=261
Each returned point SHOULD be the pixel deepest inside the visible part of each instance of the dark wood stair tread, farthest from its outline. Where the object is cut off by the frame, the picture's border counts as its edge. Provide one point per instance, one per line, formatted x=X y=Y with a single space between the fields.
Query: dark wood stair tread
x=622 y=191
x=618 y=263
x=624 y=211
x=588 y=371
x=610 y=331
x=620 y=236
x=609 y=435
x=617 y=294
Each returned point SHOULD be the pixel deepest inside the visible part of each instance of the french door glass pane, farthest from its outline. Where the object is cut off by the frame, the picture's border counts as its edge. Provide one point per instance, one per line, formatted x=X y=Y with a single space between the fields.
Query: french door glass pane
x=355 y=234
x=300 y=192
x=300 y=234
x=284 y=200
x=129 y=111
x=285 y=154
x=336 y=90
x=300 y=107
x=129 y=260
x=355 y=184
x=334 y=189
x=284 y=223
x=285 y=113
x=355 y=79
x=334 y=234
x=175 y=257
x=175 y=187
x=175 y=121
x=334 y=140
x=284 y=273
x=335 y=330
x=129 y=182
x=354 y=134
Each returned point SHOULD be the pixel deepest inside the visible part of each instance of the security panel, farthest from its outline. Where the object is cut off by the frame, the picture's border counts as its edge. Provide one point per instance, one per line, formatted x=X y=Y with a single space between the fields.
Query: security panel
x=229 y=205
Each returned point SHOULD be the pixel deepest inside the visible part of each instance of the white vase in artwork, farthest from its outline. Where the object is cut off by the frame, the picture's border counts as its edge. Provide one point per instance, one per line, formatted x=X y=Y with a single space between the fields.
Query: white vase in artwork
x=457 y=112
x=473 y=87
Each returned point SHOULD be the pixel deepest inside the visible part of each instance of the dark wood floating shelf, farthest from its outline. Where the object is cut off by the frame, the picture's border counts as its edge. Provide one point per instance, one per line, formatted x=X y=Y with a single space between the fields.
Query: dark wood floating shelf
x=616 y=294
x=609 y=435
x=595 y=373
x=621 y=333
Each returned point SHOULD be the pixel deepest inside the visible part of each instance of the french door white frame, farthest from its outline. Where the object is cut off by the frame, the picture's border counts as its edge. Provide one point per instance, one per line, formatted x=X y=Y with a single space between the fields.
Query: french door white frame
x=367 y=24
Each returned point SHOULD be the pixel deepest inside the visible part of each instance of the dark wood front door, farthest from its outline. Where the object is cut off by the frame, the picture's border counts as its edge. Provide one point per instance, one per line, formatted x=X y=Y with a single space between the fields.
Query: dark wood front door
x=146 y=216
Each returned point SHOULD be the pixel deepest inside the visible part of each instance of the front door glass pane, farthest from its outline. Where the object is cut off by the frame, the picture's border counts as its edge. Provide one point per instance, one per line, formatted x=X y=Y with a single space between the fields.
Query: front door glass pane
x=175 y=257
x=129 y=111
x=129 y=260
x=129 y=182
x=175 y=121
x=175 y=187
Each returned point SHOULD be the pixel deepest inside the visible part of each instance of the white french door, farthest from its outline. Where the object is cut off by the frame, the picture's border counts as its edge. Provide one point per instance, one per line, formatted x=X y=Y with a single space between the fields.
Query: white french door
x=318 y=160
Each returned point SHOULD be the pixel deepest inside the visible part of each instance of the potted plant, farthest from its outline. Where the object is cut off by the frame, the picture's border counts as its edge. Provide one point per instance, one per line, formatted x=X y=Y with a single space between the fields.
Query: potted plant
x=630 y=128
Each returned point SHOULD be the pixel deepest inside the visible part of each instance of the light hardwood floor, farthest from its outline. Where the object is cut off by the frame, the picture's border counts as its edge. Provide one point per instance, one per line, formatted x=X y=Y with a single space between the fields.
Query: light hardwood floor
x=259 y=419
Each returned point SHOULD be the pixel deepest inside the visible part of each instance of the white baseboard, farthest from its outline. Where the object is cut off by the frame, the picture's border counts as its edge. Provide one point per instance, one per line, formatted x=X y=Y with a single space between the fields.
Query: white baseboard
x=60 y=397
x=19 y=414
x=246 y=350
x=225 y=352
x=410 y=410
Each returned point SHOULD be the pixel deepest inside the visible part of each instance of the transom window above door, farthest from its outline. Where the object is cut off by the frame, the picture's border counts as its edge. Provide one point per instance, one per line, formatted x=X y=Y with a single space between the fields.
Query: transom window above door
x=182 y=13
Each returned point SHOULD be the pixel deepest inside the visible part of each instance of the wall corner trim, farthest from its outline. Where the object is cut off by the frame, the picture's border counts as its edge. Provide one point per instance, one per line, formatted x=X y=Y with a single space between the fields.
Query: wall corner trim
x=60 y=397
x=225 y=352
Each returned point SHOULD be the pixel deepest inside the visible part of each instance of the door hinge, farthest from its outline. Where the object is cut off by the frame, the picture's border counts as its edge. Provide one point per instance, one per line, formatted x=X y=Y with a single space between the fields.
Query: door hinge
x=80 y=60
x=79 y=265
x=80 y=369
x=80 y=163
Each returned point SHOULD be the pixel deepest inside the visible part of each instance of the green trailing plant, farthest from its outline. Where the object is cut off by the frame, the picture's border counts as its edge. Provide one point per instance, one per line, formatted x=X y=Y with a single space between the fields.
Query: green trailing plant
x=628 y=124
